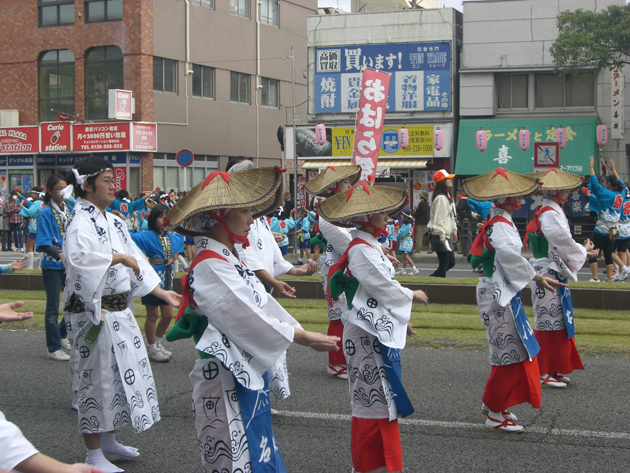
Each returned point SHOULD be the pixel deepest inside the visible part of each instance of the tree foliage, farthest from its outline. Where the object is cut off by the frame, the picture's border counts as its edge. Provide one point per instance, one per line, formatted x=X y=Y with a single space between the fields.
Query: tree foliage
x=590 y=40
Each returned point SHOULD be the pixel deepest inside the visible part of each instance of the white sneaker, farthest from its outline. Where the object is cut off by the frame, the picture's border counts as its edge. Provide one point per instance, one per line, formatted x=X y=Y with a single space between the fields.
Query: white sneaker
x=155 y=354
x=65 y=344
x=413 y=271
x=164 y=350
x=58 y=355
x=593 y=280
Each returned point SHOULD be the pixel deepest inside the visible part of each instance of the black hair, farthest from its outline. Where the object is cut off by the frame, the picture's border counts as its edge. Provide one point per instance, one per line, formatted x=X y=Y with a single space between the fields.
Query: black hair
x=407 y=218
x=441 y=189
x=615 y=183
x=122 y=194
x=50 y=183
x=233 y=161
x=88 y=166
x=156 y=213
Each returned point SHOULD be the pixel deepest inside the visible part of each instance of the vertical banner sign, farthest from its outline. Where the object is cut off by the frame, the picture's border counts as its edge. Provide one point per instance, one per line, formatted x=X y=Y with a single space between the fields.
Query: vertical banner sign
x=302 y=194
x=120 y=177
x=617 y=123
x=372 y=104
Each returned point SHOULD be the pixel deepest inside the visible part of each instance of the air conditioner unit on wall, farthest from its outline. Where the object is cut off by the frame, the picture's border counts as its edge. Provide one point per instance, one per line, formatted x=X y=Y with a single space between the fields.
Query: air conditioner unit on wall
x=9 y=118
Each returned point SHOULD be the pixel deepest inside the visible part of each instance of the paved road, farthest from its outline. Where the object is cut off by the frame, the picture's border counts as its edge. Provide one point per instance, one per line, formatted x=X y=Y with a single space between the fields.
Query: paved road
x=582 y=428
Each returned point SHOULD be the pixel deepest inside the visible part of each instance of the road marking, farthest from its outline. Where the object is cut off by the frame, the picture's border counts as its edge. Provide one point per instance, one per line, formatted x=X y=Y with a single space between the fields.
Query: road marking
x=465 y=425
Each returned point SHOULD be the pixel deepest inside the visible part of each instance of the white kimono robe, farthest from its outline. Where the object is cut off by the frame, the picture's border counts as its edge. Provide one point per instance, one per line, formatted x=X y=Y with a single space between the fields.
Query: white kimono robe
x=113 y=375
x=338 y=239
x=379 y=317
x=565 y=259
x=247 y=333
x=512 y=273
x=263 y=253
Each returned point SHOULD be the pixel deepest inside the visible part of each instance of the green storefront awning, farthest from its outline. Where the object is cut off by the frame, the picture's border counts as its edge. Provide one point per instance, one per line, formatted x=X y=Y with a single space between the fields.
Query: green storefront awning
x=503 y=149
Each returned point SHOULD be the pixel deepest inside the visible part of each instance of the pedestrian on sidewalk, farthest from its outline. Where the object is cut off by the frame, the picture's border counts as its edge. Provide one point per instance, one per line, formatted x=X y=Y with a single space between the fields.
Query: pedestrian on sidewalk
x=422 y=216
x=5 y=226
x=376 y=324
x=52 y=222
x=105 y=271
x=515 y=377
x=336 y=179
x=556 y=256
x=443 y=224
x=240 y=331
x=13 y=210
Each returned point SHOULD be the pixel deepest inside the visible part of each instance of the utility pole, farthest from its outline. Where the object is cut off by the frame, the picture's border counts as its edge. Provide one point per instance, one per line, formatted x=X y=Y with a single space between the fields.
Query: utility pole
x=295 y=157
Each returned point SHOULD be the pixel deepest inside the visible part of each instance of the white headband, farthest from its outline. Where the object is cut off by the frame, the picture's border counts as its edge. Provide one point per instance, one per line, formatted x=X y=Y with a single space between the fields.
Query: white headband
x=81 y=178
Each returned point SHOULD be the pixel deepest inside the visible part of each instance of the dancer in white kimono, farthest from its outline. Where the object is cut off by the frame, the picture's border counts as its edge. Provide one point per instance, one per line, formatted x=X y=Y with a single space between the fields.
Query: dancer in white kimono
x=240 y=331
x=376 y=324
x=105 y=271
x=513 y=347
x=262 y=256
x=334 y=180
x=556 y=256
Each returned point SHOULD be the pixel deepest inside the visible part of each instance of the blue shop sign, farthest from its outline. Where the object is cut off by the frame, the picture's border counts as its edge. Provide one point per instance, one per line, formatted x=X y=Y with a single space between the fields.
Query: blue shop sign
x=46 y=160
x=20 y=161
x=420 y=76
x=72 y=159
x=3 y=160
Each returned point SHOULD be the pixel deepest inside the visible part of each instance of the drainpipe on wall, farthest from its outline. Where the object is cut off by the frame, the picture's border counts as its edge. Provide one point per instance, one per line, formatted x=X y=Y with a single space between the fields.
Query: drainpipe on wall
x=258 y=85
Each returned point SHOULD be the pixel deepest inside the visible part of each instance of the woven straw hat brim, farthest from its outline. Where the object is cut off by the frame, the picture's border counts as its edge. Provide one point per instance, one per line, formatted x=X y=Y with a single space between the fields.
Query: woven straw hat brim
x=556 y=179
x=500 y=183
x=329 y=177
x=259 y=188
x=380 y=199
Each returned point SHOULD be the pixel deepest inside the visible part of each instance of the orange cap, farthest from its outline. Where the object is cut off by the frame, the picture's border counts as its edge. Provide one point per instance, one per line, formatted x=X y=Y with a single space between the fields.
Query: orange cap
x=441 y=175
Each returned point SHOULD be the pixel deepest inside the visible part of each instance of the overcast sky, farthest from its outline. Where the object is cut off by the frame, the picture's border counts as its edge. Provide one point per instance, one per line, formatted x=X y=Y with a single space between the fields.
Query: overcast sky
x=345 y=4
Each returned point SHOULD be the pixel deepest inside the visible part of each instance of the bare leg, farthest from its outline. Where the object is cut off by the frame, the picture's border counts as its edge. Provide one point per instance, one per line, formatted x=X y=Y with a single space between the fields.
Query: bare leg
x=594 y=270
x=162 y=326
x=609 y=270
x=149 y=324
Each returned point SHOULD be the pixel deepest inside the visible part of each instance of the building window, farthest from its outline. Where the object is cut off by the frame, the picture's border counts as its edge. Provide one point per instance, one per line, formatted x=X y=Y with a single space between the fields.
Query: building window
x=56 y=12
x=556 y=91
x=164 y=75
x=512 y=91
x=104 y=70
x=204 y=3
x=269 y=12
x=103 y=10
x=239 y=8
x=203 y=81
x=270 y=92
x=239 y=87
x=56 y=84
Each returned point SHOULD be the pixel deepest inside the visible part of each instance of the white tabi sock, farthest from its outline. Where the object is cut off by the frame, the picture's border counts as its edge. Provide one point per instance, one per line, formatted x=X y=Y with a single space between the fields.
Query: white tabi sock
x=109 y=445
x=498 y=416
x=98 y=460
x=29 y=260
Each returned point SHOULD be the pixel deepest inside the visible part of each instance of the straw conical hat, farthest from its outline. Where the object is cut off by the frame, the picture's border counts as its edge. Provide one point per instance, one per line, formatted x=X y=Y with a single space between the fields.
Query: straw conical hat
x=258 y=188
x=556 y=179
x=360 y=201
x=330 y=176
x=500 y=183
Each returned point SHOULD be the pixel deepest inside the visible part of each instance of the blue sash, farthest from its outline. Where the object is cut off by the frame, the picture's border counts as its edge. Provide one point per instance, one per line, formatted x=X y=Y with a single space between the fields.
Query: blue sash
x=391 y=362
x=265 y=455
x=567 y=306
x=524 y=329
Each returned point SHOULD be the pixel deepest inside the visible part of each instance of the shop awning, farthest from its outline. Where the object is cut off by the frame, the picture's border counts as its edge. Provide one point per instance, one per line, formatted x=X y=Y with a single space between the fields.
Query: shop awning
x=503 y=149
x=406 y=163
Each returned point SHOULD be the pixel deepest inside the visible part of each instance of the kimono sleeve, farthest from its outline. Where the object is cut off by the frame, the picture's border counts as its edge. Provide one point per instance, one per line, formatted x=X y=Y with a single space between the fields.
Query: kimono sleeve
x=148 y=279
x=177 y=242
x=141 y=241
x=335 y=236
x=513 y=272
x=84 y=261
x=46 y=229
x=231 y=305
x=14 y=448
x=566 y=256
x=280 y=265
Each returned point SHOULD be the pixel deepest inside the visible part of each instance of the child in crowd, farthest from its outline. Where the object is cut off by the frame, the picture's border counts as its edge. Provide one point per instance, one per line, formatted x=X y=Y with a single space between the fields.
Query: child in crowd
x=405 y=244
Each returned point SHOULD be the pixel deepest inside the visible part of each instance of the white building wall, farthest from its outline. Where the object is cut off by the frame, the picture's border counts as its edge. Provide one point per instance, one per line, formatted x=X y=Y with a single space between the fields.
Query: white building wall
x=515 y=36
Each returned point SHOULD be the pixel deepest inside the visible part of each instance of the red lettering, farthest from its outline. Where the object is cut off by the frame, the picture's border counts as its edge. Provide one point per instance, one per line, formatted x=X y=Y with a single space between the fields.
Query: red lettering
x=618 y=202
x=626 y=208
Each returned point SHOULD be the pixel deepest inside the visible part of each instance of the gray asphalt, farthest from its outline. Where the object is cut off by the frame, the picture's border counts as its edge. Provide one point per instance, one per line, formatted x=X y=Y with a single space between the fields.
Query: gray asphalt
x=582 y=428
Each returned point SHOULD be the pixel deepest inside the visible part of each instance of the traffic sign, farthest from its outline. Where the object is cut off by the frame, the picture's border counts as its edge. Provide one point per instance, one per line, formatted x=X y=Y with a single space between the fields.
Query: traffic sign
x=184 y=157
